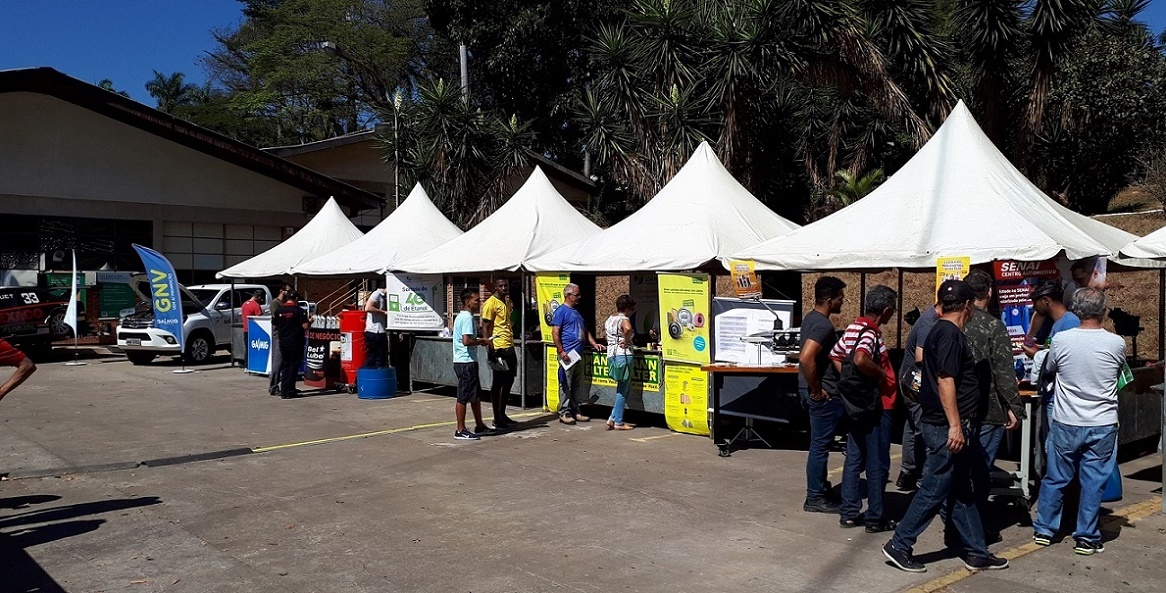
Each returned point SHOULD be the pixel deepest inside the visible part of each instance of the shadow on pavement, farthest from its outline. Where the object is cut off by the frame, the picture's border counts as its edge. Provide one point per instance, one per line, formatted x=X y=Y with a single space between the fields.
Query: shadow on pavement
x=20 y=572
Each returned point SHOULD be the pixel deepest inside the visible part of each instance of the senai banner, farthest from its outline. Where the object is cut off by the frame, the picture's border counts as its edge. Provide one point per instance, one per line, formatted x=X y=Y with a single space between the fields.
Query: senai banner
x=163 y=292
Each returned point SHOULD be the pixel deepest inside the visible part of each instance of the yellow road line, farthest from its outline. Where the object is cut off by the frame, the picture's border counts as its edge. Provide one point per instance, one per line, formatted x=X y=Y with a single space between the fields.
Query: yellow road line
x=1129 y=514
x=659 y=436
x=365 y=435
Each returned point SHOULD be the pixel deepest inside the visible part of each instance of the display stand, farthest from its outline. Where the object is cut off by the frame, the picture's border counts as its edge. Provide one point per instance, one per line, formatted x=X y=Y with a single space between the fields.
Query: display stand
x=746 y=435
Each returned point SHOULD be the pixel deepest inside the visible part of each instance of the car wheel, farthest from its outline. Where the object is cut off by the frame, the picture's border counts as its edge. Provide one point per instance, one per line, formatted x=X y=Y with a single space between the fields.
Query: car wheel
x=136 y=357
x=198 y=348
x=57 y=326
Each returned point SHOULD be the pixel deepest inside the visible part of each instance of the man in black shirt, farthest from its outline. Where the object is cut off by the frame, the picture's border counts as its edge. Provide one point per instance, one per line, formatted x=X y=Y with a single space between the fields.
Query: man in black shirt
x=817 y=339
x=274 y=373
x=290 y=322
x=952 y=409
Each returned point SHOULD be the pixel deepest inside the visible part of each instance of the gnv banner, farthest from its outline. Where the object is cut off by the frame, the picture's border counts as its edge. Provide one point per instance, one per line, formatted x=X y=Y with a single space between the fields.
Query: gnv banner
x=414 y=301
x=164 y=293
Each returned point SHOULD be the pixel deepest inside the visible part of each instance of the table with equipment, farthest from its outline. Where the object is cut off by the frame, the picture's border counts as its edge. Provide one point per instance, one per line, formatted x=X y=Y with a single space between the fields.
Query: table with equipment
x=750 y=392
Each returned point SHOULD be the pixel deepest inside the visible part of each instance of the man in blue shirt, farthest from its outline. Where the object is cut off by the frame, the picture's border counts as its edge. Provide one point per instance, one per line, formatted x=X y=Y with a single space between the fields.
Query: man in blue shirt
x=569 y=331
x=1048 y=300
x=465 y=366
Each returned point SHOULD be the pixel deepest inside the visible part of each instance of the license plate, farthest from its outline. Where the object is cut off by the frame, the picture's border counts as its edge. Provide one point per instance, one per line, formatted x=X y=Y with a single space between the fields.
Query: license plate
x=42 y=330
x=133 y=341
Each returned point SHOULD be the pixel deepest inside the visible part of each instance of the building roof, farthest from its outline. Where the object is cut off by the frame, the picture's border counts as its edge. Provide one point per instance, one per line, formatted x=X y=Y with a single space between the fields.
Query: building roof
x=47 y=81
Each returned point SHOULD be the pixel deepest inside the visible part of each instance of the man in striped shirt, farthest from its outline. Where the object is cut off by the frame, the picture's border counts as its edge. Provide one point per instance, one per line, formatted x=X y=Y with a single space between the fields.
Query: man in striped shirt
x=868 y=433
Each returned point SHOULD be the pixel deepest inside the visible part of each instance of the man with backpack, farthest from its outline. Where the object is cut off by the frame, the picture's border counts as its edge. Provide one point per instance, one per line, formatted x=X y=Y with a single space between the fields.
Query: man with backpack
x=865 y=380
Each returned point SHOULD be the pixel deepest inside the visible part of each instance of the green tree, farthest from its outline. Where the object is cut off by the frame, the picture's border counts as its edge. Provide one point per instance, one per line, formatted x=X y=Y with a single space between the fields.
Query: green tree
x=172 y=91
x=107 y=84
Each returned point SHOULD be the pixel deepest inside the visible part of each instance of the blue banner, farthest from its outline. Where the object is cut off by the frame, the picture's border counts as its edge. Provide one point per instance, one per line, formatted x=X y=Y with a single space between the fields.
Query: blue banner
x=164 y=292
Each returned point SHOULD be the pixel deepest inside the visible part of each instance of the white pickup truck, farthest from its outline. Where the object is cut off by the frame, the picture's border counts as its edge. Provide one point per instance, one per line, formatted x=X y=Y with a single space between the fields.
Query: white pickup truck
x=207 y=313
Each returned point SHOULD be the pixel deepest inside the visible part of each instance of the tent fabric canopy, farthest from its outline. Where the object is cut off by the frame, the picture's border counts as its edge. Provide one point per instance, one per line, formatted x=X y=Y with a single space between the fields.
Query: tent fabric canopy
x=328 y=230
x=533 y=222
x=414 y=228
x=957 y=196
x=1152 y=246
x=701 y=215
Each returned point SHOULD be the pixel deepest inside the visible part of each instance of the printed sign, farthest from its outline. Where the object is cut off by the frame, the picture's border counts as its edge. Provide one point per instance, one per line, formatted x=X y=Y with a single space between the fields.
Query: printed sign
x=259 y=345
x=746 y=285
x=320 y=358
x=686 y=399
x=164 y=293
x=951 y=268
x=550 y=297
x=684 y=317
x=645 y=373
x=414 y=301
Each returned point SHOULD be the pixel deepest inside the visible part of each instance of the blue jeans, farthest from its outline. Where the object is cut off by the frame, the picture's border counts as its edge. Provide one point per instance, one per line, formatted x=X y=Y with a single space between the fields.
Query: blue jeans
x=824 y=419
x=1083 y=450
x=914 y=452
x=990 y=435
x=622 y=388
x=867 y=448
x=947 y=477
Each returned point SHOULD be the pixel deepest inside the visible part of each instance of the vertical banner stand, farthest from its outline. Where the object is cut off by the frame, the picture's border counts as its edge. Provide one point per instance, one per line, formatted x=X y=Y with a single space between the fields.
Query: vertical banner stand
x=71 y=316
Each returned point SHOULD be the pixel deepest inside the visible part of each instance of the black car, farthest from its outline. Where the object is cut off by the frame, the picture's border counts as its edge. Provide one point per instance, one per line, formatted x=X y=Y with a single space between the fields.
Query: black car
x=34 y=315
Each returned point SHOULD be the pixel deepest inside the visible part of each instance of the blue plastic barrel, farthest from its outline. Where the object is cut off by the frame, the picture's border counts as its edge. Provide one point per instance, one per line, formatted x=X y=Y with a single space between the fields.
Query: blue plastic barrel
x=376 y=383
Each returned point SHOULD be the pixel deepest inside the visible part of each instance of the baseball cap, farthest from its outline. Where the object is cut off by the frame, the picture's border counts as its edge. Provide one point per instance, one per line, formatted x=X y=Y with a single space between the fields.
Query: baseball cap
x=956 y=291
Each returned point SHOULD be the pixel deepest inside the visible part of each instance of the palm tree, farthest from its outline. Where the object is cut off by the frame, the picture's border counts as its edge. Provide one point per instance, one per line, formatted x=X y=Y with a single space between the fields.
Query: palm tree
x=107 y=84
x=850 y=188
x=172 y=91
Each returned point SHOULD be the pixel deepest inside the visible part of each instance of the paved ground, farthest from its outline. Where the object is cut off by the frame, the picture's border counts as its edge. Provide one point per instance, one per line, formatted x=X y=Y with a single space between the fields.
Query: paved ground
x=406 y=508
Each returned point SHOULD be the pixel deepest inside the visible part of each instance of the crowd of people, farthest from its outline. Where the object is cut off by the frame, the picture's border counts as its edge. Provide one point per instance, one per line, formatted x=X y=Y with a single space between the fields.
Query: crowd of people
x=959 y=387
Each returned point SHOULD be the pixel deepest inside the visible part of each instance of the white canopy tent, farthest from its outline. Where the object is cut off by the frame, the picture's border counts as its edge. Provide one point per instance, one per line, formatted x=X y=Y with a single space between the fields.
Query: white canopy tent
x=415 y=227
x=957 y=196
x=701 y=215
x=533 y=222
x=329 y=230
x=1152 y=246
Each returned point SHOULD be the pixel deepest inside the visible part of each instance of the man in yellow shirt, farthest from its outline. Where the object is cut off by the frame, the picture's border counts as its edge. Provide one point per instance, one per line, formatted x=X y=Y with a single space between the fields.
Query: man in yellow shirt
x=496 y=312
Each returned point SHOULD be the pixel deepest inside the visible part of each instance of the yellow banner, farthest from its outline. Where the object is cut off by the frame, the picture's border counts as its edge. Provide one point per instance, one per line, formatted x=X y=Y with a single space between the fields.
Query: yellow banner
x=951 y=268
x=645 y=373
x=550 y=295
x=552 y=386
x=746 y=285
x=684 y=317
x=686 y=398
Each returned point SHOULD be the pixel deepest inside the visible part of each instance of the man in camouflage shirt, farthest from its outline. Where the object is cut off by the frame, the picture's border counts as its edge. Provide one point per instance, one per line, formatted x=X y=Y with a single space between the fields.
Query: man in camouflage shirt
x=995 y=366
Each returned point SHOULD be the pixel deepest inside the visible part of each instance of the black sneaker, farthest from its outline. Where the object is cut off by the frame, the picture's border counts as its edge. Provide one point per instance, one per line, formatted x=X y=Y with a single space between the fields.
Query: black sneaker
x=483 y=430
x=819 y=505
x=1042 y=539
x=881 y=526
x=1087 y=547
x=907 y=482
x=506 y=422
x=988 y=562
x=465 y=435
x=850 y=523
x=902 y=560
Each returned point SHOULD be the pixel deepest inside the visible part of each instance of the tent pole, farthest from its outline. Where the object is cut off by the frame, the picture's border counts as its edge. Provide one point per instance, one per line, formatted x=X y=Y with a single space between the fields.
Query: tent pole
x=231 y=296
x=521 y=366
x=1161 y=318
x=861 y=290
x=899 y=332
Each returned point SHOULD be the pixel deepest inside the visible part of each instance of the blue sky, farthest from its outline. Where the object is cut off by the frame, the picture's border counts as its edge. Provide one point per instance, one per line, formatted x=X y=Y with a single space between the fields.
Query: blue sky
x=126 y=40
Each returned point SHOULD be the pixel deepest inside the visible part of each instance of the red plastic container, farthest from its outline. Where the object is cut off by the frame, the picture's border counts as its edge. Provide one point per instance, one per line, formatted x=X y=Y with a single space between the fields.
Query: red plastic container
x=352 y=351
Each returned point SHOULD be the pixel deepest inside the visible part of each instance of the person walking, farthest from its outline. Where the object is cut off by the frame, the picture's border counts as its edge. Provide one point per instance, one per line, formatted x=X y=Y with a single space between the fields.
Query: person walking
x=868 y=441
x=376 y=341
x=952 y=409
x=826 y=411
x=290 y=321
x=497 y=326
x=465 y=366
x=569 y=332
x=275 y=379
x=618 y=328
x=910 y=377
x=1086 y=363
x=11 y=357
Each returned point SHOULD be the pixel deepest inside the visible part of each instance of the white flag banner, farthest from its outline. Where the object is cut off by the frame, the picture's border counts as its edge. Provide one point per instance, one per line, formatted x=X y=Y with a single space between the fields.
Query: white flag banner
x=71 y=312
x=414 y=302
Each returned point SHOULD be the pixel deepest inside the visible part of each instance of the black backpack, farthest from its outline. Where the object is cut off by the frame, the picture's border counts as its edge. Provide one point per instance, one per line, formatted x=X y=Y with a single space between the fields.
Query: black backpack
x=861 y=394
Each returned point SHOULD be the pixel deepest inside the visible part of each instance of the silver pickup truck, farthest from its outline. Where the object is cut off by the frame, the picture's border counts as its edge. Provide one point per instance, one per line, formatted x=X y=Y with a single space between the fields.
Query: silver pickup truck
x=207 y=313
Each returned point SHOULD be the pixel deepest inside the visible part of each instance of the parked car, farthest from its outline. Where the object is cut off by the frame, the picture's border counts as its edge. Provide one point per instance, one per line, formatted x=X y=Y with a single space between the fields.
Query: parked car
x=208 y=311
x=35 y=317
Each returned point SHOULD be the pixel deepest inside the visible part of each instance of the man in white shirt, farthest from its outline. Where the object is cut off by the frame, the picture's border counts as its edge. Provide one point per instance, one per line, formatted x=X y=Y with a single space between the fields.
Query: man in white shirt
x=376 y=342
x=1086 y=363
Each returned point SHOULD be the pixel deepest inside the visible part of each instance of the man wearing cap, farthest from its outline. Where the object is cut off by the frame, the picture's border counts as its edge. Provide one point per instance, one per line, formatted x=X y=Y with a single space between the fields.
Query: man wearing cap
x=952 y=406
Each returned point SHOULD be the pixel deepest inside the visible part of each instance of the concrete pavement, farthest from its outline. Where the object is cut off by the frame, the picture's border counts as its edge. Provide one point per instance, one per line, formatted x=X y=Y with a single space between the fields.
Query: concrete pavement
x=547 y=507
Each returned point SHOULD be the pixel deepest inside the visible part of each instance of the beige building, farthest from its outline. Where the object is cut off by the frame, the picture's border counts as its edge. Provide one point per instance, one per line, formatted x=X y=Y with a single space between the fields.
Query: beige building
x=83 y=168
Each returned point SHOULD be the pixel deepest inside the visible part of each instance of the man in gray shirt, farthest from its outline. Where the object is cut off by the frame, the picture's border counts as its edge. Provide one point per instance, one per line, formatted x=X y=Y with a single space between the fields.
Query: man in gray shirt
x=1086 y=363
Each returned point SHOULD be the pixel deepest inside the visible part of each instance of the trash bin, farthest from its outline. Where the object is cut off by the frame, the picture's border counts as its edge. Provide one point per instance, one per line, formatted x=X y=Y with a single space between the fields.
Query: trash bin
x=352 y=352
x=238 y=345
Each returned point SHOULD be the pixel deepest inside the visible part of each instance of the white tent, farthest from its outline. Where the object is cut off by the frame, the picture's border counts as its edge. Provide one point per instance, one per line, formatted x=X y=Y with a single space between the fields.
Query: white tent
x=1152 y=246
x=327 y=231
x=414 y=228
x=533 y=222
x=701 y=215
x=957 y=196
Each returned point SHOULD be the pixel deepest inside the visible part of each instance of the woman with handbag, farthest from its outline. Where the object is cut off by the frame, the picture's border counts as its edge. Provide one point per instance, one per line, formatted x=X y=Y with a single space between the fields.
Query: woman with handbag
x=619 y=357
